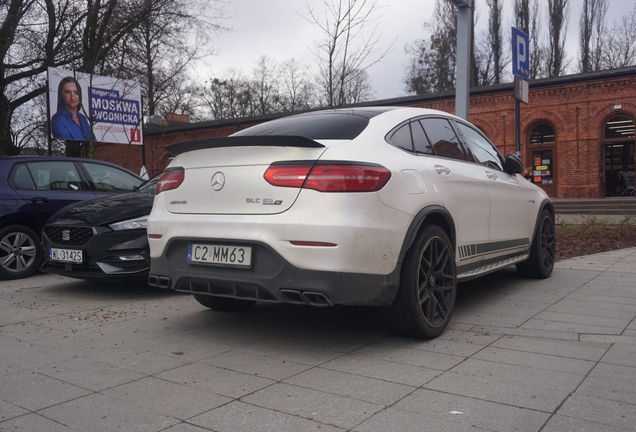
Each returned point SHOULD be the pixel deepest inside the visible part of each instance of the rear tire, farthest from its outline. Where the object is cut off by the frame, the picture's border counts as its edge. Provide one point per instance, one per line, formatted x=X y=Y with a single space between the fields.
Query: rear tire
x=20 y=252
x=224 y=304
x=428 y=286
x=542 y=254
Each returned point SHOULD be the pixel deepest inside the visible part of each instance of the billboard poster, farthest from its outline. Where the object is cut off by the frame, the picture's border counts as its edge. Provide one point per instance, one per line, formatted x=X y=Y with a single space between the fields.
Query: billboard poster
x=84 y=107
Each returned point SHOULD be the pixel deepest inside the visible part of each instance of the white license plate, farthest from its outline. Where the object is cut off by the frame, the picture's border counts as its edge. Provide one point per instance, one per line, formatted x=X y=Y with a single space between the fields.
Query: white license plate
x=221 y=255
x=65 y=255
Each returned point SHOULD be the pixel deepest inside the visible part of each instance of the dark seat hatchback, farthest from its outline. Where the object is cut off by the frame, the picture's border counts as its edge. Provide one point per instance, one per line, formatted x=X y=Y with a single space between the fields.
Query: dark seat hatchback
x=32 y=188
x=101 y=239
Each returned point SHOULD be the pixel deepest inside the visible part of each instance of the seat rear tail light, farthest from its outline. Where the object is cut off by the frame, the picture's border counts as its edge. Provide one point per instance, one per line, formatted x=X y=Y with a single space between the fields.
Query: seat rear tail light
x=170 y=179
x=330 y=177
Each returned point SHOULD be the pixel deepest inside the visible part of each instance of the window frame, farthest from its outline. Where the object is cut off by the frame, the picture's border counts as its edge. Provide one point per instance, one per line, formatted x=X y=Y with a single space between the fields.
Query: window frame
x=466 y=140
x=413 y=151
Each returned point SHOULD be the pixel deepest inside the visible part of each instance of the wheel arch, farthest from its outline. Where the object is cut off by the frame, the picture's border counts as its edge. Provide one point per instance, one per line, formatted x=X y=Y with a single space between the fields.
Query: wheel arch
x=545 y=205
x=436 y=215
x=22 y=221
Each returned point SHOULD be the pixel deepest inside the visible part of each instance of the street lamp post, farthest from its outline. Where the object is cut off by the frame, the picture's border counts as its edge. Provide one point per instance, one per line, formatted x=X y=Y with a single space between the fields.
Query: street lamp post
x=462 y=75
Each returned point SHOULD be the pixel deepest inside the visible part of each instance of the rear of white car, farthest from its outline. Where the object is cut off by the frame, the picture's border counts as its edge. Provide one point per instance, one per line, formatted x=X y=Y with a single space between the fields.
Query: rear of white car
x=269 y=233
x=317 y=216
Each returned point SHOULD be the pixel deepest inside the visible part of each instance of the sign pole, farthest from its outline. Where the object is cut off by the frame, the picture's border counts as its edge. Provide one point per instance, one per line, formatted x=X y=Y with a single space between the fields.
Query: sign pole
x=462 y=74
x=48 y=116
x=521 y=72
x=518 y=126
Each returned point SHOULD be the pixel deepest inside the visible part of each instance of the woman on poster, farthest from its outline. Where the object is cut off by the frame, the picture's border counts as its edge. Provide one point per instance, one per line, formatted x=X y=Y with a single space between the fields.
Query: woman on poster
x=69 y=123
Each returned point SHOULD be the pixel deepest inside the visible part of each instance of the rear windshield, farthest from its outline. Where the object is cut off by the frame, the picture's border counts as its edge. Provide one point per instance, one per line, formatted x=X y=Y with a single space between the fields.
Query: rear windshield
x=325 y=126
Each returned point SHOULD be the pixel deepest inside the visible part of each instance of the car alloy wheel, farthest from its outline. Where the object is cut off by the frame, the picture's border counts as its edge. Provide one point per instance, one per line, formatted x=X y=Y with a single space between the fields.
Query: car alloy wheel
x=543 y=251
x=20 y=252
x=428 y=286
x=548 y=242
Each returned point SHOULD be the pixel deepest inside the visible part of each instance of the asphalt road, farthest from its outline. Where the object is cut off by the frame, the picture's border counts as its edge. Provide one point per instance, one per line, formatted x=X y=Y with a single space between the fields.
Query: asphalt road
x=526 y=355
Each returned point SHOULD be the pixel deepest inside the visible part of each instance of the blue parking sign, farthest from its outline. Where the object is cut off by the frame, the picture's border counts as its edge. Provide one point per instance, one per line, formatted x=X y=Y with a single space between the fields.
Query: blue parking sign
x=520 y=54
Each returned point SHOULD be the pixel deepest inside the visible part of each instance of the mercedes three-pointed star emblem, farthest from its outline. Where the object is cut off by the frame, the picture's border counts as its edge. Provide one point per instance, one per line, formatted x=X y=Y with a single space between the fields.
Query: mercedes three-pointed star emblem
x=218 y=181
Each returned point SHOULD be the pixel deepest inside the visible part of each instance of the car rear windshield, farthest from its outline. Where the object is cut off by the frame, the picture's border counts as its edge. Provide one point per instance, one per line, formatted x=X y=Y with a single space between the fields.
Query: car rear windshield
x=325 y=126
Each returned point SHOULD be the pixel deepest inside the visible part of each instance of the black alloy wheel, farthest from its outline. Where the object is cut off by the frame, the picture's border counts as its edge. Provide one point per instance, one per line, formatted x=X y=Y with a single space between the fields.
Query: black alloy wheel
x=543 y=251
x=428 y=286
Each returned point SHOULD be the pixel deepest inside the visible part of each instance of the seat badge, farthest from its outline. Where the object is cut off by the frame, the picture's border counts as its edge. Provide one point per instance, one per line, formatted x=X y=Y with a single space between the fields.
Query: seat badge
x=218 y=181
x=66 y=235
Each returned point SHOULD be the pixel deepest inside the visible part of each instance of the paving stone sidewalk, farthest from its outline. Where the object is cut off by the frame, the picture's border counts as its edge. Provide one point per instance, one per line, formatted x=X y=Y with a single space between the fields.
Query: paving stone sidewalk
x=526 y=355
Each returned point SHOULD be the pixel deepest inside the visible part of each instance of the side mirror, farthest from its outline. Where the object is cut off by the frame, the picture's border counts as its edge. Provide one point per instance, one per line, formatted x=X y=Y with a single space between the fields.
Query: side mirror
x=513 y=164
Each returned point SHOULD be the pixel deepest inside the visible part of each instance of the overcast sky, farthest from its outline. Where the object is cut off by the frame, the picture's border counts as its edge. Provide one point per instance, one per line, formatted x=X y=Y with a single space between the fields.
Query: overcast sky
x=277 y=28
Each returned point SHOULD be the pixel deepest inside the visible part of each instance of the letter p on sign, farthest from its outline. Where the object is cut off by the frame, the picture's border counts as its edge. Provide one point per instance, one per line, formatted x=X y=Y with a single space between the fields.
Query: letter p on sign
x=520 y=54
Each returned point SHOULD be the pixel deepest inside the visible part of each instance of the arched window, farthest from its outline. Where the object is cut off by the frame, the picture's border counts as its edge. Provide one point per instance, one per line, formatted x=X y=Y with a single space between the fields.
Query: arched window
x=542 y=154
x=618 y=150
x=619 y=127
x=542 y=133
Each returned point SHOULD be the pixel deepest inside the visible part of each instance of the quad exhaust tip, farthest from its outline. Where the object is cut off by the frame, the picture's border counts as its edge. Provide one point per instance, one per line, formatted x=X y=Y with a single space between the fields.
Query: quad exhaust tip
x=306 y=297
x=159 y=281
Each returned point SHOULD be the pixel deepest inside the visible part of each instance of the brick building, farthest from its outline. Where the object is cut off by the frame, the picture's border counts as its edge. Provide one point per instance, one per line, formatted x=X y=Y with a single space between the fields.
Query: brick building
x=577 y=132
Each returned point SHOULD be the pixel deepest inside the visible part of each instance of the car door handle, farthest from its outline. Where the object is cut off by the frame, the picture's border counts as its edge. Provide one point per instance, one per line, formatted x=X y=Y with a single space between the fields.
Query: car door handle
x=491 y=176
x=42 y=200
x=442 y=170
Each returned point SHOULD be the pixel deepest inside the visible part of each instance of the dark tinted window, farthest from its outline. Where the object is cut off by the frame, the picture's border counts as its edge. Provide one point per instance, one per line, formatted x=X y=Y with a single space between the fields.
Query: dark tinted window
x=331 y=125
x=20 y=178
x=443 y=138
x=481 y=150
x=420 y=140
x=110 y=179
x=402 y=138
x=49 y=175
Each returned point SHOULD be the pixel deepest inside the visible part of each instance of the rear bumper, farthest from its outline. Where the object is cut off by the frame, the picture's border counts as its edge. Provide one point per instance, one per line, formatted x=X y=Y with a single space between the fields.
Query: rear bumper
x=271 y=278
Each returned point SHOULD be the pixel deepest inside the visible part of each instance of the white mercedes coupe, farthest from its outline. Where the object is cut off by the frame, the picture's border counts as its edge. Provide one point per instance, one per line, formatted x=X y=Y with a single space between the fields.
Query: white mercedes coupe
x=373 y=206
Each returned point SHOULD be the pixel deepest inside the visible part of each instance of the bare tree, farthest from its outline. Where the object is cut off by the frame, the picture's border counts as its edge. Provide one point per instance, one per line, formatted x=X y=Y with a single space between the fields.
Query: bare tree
x=90 y=36
x=591 y=33
x=51 y=33
x=25 y=50
x=159 y=51
x=229 y=97
x=264 y=84
x=296 y=90
x=270 y=88
x=346 y=49
x=432 y=66
x=620 y=47
x=599 y=36
x=557 y=29
x=495 y=39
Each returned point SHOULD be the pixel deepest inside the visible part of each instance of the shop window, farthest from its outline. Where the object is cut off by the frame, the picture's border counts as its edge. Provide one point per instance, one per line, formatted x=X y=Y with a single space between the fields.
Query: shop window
x=542 y=151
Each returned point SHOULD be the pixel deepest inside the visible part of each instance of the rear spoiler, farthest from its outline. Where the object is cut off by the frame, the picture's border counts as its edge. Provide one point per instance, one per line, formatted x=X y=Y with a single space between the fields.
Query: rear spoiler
x=242 y=141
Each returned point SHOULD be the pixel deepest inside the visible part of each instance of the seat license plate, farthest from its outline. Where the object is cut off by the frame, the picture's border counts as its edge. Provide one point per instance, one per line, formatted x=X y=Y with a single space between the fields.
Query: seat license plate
x=65 y=255
x=220 y=255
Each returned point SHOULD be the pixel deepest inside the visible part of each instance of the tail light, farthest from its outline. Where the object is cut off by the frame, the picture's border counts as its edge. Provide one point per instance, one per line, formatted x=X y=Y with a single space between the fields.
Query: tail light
x=329 y=177
x=170 y=179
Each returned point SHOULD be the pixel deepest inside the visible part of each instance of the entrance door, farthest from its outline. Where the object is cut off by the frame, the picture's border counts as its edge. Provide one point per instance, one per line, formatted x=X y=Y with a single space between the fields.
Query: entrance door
x=619 y=169
x=542 y=153
x=618 y=156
